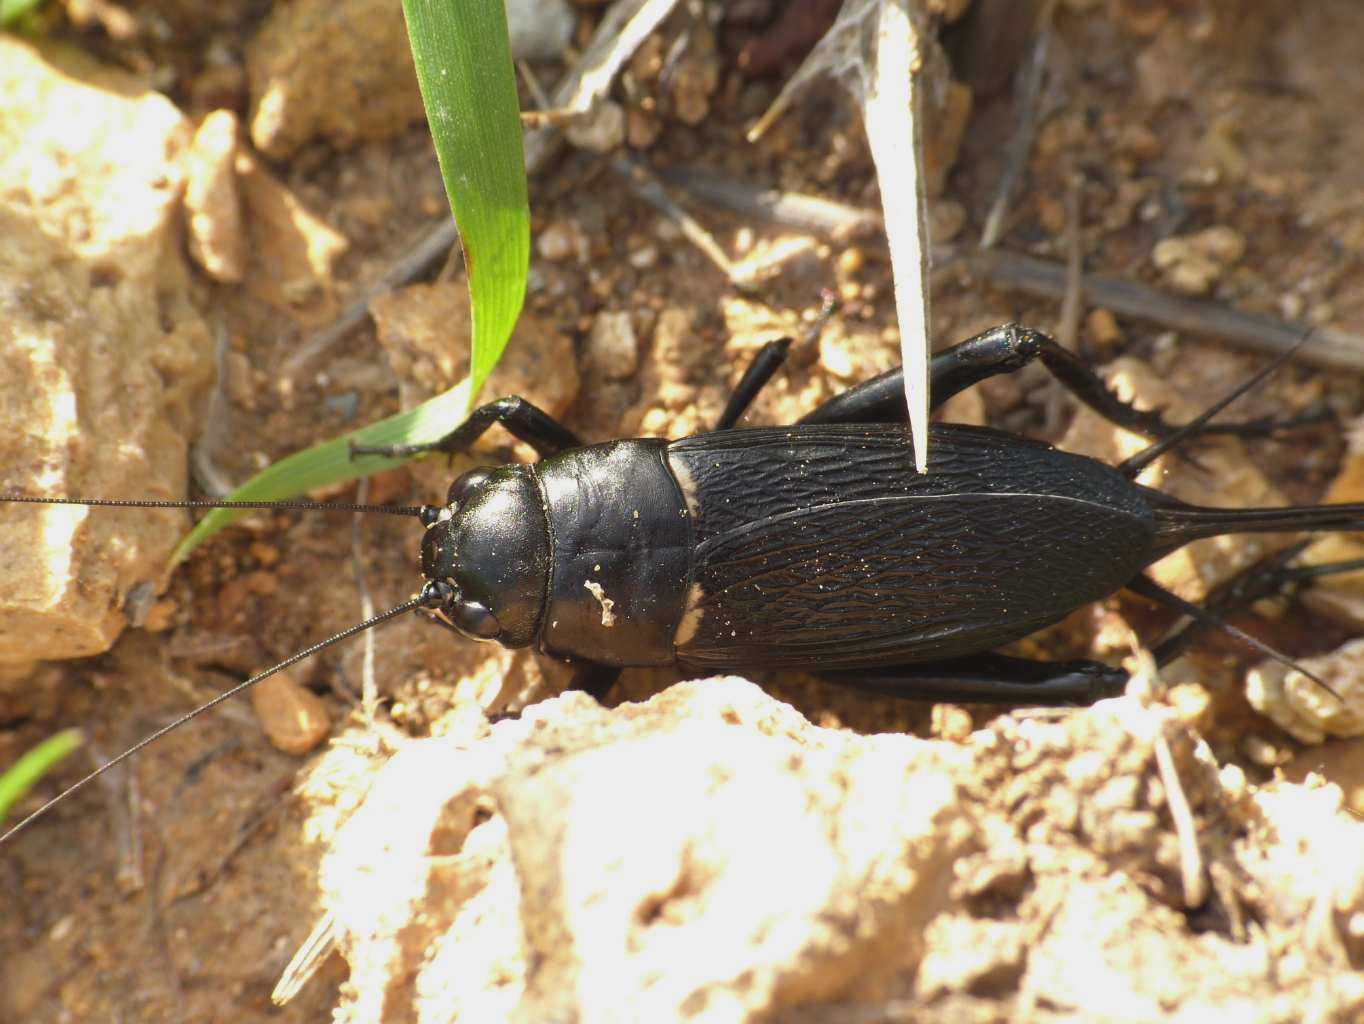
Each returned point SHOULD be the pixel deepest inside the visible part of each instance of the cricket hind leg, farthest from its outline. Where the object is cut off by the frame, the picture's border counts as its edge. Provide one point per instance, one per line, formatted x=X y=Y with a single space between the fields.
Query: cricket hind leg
x=990 y=679
x=882 y=399
x=1007 y=349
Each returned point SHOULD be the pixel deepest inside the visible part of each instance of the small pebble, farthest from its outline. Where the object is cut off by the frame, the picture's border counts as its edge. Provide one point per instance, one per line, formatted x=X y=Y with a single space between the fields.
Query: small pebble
x=851 y=260
x=950 y=722
x=666 y=230
x=63 y=929
x=265 y=554
x=836 y=356
x=1291 y=306
x=1192 y=705
x=1192 y=264
x=1233 y=780
x=612 y=345
x=600 y=131
x=644 y=257
x=695 y=77
x=237 y=381
x=216 y=238
x=1262 y=752
x=642 y=128
x=1101 y=327
x=561 y=240
x=262 y=584
x=294 y=719
x=160 y=617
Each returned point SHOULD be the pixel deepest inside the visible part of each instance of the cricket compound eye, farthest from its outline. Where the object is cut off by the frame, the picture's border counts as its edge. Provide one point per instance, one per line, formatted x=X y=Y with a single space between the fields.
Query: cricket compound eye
x=466 y=485
x=475 y=621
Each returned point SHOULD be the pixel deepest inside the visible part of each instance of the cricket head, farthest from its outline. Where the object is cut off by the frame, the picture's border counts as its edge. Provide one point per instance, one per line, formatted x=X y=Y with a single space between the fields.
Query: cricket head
x=486 y=556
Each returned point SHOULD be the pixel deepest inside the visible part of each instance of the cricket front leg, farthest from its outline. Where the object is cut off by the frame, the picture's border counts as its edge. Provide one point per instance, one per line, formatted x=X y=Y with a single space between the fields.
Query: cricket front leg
x=523 y=420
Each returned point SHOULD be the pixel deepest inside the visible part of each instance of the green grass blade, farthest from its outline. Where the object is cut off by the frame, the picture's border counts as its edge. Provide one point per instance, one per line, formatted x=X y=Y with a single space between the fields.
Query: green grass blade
x=464 y=67
x=19 y=778
x=330 y=462
x=13 y=10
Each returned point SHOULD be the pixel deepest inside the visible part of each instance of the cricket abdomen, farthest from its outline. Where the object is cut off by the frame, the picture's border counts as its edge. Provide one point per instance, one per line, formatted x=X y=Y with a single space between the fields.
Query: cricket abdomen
x=822 y=547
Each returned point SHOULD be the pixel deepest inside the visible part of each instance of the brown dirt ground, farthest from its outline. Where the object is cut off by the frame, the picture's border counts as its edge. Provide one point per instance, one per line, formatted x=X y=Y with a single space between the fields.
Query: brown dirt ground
x=1259 y=132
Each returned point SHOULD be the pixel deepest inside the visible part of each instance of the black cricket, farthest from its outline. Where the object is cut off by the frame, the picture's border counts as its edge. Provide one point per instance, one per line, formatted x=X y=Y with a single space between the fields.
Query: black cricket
x=815 y=546
x=818 y=546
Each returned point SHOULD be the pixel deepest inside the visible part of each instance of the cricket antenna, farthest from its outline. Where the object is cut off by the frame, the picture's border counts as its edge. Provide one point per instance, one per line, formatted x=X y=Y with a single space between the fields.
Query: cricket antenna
x=422 y=599
x=314 y=506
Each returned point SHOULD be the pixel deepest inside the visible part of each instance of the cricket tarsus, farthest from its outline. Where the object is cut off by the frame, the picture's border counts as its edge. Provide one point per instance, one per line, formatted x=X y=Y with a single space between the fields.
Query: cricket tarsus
x=345 y=634
x=1131 y=468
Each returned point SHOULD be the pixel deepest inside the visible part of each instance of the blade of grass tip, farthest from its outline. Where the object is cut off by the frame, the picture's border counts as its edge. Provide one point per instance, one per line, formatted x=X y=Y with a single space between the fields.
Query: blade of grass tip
x=891 y=114
x=20 y=777
x=468 y=84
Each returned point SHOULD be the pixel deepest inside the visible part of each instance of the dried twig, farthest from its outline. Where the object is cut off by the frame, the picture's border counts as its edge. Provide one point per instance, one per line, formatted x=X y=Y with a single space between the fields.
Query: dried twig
x=1146 y=688
x=637 y=174
x=432 y=245
x=1186 y=830
x=1258 y=331
x=202 y=460
x=120 y=787
x=1048 y=279
x=320 y=944
x=1073 y=303
x=796 y=210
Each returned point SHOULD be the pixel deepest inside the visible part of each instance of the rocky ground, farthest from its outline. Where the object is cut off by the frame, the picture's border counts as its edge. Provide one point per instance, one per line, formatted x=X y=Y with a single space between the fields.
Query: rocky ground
x=189 y=191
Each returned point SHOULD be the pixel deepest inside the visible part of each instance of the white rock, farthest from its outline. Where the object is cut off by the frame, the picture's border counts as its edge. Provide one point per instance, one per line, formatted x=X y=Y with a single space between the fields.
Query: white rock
x=1301 y=707
x=709 y=855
